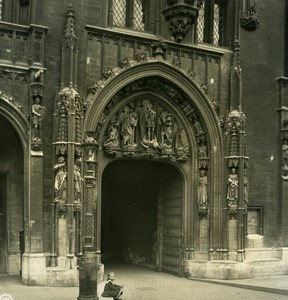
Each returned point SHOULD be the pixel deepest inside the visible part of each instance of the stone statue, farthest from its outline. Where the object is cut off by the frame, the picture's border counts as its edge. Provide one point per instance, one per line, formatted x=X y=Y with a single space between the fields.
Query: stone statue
x=112 y=139
x=232 y=193
x=202 y=151
x=77 y=180
x=148 y=122
x=60 y=185
x=37 y=116
x=202 y=189
x=128 y=124
x=166 y=131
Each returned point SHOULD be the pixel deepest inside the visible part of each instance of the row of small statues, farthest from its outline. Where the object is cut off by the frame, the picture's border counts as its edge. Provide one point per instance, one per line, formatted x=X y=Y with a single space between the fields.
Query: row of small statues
x=232 y=189
x=121 y=130
x=60 y=184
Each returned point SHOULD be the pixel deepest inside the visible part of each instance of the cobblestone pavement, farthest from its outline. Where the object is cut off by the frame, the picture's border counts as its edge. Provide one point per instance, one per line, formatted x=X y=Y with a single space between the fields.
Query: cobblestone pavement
x=142 y=283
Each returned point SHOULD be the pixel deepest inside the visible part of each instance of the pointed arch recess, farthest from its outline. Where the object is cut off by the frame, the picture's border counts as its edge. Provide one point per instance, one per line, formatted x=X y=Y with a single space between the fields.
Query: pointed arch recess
x=12 y=112
x=165 y=71
x=198 y=100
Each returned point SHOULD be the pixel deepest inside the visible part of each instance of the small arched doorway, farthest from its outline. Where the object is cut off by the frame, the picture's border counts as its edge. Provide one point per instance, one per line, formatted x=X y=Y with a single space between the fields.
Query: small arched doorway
x=142 y=219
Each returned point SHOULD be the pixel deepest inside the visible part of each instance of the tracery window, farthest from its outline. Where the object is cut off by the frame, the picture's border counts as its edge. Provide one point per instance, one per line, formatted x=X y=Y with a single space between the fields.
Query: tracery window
x=129 y=13
x=211 y=22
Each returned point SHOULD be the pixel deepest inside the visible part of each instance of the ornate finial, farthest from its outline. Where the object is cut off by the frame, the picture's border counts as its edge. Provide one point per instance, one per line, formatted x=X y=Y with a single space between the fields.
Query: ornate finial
x=69 y=32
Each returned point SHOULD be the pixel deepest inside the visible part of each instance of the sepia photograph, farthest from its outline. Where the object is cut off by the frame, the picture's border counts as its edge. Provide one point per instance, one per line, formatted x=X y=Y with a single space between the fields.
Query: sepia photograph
x=143 y=149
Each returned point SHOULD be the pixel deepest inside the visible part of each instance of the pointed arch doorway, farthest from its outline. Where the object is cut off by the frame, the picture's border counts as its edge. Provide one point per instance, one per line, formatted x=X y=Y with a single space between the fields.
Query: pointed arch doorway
x=142 y=214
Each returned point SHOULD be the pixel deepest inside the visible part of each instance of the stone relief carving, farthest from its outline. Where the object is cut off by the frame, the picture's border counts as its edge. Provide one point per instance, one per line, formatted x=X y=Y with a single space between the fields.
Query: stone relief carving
x=145 y=127
x=166 y=132
x=148 y=125
x=112 y=137
x=128 y=123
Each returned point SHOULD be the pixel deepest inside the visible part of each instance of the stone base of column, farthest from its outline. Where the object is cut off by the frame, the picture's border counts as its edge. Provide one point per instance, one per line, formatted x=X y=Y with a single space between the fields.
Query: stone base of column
x=34 y=269
x=88 y=276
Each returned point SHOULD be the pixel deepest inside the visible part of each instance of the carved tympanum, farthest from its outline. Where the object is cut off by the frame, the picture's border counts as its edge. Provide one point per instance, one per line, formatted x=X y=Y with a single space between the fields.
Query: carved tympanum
x=145 y=127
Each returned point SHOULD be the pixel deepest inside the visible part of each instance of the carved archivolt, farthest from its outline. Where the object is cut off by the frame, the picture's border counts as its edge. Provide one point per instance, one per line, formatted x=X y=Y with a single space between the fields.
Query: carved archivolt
x=148 y=127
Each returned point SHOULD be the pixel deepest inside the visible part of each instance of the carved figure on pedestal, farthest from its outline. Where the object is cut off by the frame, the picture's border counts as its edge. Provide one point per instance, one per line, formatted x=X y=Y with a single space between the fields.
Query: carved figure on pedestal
x=129 y=121
x=166 y=132
x=233 y=185
x=148 y=122
x=202 y=189
x=37 y=117
x=77 y=180
x=60 y=185
x=112 y=139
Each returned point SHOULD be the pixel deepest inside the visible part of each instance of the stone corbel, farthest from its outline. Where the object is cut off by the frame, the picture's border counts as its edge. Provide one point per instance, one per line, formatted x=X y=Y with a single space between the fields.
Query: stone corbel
x=180 y=18
x=249 y=18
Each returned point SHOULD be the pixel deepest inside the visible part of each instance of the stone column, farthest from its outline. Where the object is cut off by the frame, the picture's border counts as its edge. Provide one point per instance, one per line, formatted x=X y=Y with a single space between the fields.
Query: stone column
x=88 y=265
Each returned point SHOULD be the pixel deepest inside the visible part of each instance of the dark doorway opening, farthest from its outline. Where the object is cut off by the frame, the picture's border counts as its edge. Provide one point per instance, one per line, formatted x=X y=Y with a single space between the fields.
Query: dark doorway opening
x=142 y=214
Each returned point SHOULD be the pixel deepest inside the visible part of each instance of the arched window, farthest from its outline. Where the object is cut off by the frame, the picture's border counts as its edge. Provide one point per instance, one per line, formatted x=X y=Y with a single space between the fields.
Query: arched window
x=129 y=13
x=212 y=21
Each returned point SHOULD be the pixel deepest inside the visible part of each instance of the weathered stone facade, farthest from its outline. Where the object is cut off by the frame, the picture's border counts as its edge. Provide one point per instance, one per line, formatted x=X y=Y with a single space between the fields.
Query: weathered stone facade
x=152 y=135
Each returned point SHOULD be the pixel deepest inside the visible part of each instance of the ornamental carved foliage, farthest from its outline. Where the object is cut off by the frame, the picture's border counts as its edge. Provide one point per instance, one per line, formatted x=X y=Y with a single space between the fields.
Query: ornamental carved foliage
x=147 y=128
x=180 y=18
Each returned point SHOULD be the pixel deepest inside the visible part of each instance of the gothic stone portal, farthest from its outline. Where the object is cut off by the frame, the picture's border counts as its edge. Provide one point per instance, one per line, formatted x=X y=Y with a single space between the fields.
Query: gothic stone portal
x=142 y=214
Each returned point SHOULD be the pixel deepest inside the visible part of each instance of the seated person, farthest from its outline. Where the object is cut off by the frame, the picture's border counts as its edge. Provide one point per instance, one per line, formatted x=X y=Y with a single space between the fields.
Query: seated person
x=111 y=289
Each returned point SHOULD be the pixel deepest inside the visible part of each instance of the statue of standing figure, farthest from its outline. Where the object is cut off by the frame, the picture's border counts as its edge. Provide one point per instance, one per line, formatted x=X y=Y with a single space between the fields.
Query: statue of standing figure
x=60 y=185
x=128 y=125
x=77 y=180
x=202 y=189
x=37 y=116
x=233 y=185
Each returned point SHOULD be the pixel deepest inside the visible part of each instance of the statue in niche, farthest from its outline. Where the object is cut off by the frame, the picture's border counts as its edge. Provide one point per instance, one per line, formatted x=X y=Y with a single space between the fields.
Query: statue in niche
x=202 y=151
x=166 y=131
x=60 y=185
x=77 y=180
x=129 y=122
x=112 y=139
x=37 y=117
x=232 y=193
x=147 y=126
x=197 y=126
x=202 y=189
